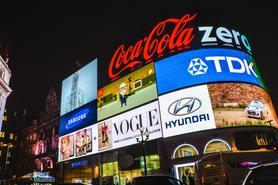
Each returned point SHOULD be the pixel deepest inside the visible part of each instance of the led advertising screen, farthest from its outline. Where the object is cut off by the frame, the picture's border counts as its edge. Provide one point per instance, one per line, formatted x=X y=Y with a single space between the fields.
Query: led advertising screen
x=116 y=132
x=205 y=66
x=79 y=88
x=135 y=89
x=78 y=118
x=186 y=111
x=215 y=105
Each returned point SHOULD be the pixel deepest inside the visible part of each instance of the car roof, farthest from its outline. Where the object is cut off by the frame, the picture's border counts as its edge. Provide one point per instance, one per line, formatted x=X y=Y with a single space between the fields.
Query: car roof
x=264 y=165
x=150 y=176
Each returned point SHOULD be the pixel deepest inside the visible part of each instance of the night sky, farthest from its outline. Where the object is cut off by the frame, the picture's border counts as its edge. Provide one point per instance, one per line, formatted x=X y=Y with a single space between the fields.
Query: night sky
x=48 y=39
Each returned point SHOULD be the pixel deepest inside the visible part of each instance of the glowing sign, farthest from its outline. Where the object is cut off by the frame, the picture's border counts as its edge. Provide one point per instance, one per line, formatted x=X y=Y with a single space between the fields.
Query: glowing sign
x=206 y=66
x=153 y=46
x=79 y=118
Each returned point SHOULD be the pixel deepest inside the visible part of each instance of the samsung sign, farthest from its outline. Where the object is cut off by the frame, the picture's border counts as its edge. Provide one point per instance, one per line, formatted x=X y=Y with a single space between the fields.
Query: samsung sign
x=79 y=118
x=186 y=111
x=206 y=66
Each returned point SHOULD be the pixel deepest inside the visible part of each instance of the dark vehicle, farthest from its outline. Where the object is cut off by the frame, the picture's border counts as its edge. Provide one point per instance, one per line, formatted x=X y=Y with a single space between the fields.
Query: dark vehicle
x=228 y=167
x=156 y=179
x=264 y=174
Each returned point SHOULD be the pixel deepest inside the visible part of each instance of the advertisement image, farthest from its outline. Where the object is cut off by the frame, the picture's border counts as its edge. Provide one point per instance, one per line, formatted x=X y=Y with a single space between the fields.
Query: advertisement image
x=104 y=135
x=83 y=142
x=185 y=111
x=205 y=66
x=128 y=92
x=79 y=88
x=66 y=147
x=126 y=126
x=78 y=118
x=238 y=104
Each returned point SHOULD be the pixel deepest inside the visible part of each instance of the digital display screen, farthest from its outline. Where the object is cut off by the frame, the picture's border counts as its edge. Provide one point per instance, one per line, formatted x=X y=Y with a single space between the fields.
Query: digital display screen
x=205 y=66
x=79 y=88
x=137 y=88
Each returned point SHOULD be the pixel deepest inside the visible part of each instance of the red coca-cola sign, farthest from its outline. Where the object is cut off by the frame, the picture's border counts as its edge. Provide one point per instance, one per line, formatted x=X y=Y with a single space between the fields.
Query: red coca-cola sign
x=169 y=36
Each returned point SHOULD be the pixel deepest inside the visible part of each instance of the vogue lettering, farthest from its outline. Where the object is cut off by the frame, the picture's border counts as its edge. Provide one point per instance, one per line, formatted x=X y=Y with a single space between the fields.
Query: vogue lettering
x=160 y=40
x=147 y=119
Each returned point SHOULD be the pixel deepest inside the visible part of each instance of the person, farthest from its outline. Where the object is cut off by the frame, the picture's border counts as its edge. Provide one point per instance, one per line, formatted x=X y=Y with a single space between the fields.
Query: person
x=187 y=177
x=66 y=147
x=123 y=95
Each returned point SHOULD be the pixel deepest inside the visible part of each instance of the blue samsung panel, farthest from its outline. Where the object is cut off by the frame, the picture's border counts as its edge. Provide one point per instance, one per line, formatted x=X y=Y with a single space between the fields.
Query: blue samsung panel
x=79 y=118
x=205 y=66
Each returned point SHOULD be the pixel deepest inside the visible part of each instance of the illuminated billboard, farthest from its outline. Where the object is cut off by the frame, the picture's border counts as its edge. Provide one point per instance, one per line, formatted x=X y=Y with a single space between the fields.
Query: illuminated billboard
x=79 y=88
x=186 y=111
x=205 y=66
x=78 y=118
x=116 y=132
x=135 y=89
x=215 y=106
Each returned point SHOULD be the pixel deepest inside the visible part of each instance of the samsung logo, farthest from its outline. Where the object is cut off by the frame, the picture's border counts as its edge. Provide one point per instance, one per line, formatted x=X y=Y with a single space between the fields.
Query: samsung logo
x=77 y=118
x=184 y=106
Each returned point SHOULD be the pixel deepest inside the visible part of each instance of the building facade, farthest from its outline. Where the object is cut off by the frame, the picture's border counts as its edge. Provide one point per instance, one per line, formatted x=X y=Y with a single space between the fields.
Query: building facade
x=5 y=90
x=40 y=140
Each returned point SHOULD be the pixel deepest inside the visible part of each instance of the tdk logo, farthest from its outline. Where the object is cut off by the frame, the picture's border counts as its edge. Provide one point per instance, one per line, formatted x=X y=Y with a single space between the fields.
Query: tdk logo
x=213 y=36
x=197 y=67
x=77 y=118
x=234 y=65
x=184 y=106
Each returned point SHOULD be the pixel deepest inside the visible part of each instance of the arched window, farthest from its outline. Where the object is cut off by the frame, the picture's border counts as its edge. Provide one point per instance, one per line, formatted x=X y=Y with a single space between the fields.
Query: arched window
x=185 y=150
x=217 y=145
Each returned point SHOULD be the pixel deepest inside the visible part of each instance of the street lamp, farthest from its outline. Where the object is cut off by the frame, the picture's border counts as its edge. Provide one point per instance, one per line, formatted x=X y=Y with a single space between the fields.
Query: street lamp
x=142 y=141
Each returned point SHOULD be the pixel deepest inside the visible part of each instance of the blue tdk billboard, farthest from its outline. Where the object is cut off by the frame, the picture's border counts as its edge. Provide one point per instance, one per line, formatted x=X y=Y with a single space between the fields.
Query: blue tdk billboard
x=205 y=66
x=79 y=99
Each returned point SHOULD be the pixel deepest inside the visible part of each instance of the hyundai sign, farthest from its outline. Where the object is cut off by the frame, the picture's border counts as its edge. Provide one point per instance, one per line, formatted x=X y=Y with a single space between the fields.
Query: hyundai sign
x=186 y=111
x=206 y=66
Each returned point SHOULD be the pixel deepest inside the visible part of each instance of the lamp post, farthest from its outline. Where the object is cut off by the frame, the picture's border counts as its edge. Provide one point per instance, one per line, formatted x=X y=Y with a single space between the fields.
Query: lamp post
x=142 y=141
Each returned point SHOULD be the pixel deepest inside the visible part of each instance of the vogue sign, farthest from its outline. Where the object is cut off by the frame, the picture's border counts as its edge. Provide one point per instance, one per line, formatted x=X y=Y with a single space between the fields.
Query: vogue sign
x=125 y=127
x=169 y=35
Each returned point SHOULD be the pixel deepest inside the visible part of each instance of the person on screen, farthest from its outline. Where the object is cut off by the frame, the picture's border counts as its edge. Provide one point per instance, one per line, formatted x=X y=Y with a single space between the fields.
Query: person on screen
x=66 y=147
x=123 y=95
x=104 y=133
x=77 y=96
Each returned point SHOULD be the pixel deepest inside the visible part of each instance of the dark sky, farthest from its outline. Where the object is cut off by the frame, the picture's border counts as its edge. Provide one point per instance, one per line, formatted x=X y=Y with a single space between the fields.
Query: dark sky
x=48 y=38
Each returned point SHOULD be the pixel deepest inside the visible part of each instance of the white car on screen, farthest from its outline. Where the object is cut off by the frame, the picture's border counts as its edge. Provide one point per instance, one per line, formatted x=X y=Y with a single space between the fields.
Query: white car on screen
x=255 y=109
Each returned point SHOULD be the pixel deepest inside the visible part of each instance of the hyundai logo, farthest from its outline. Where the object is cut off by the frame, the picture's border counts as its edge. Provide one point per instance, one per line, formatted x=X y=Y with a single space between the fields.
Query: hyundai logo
x=184 y=106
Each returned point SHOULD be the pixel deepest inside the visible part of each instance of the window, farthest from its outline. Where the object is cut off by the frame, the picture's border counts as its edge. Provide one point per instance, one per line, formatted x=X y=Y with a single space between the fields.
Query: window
x=2 y=134
x=0 y=153
x=217 y=145
x=11 y=136
x=185 y=150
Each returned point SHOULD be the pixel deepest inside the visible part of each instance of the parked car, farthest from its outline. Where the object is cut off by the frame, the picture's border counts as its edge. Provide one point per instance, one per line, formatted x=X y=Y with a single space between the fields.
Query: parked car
x=156 y=179
x=264 y=174
x=255 y=109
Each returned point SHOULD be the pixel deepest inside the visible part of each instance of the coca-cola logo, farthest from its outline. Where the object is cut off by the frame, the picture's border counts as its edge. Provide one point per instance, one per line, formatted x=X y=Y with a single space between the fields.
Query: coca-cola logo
x=184 y=106
x=167 y=36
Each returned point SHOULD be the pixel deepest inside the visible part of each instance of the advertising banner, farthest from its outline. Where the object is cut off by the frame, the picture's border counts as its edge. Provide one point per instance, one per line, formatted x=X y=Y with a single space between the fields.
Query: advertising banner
x=119 y=131
x=137 y=88
x=205 y=66
x=79 y=118
x=78 y=144
x=186 y=111
x=239 y=104
x=125 y=127
x=215 y=106
x=79 y=88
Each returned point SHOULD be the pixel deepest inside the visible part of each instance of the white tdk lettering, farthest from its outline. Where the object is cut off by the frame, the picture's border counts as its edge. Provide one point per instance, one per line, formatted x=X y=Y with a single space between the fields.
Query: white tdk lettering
x=235 y=65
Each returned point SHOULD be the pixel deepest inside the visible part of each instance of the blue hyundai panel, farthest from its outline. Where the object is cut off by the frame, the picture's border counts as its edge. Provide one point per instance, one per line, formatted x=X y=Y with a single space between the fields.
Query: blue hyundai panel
x=206 y=66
